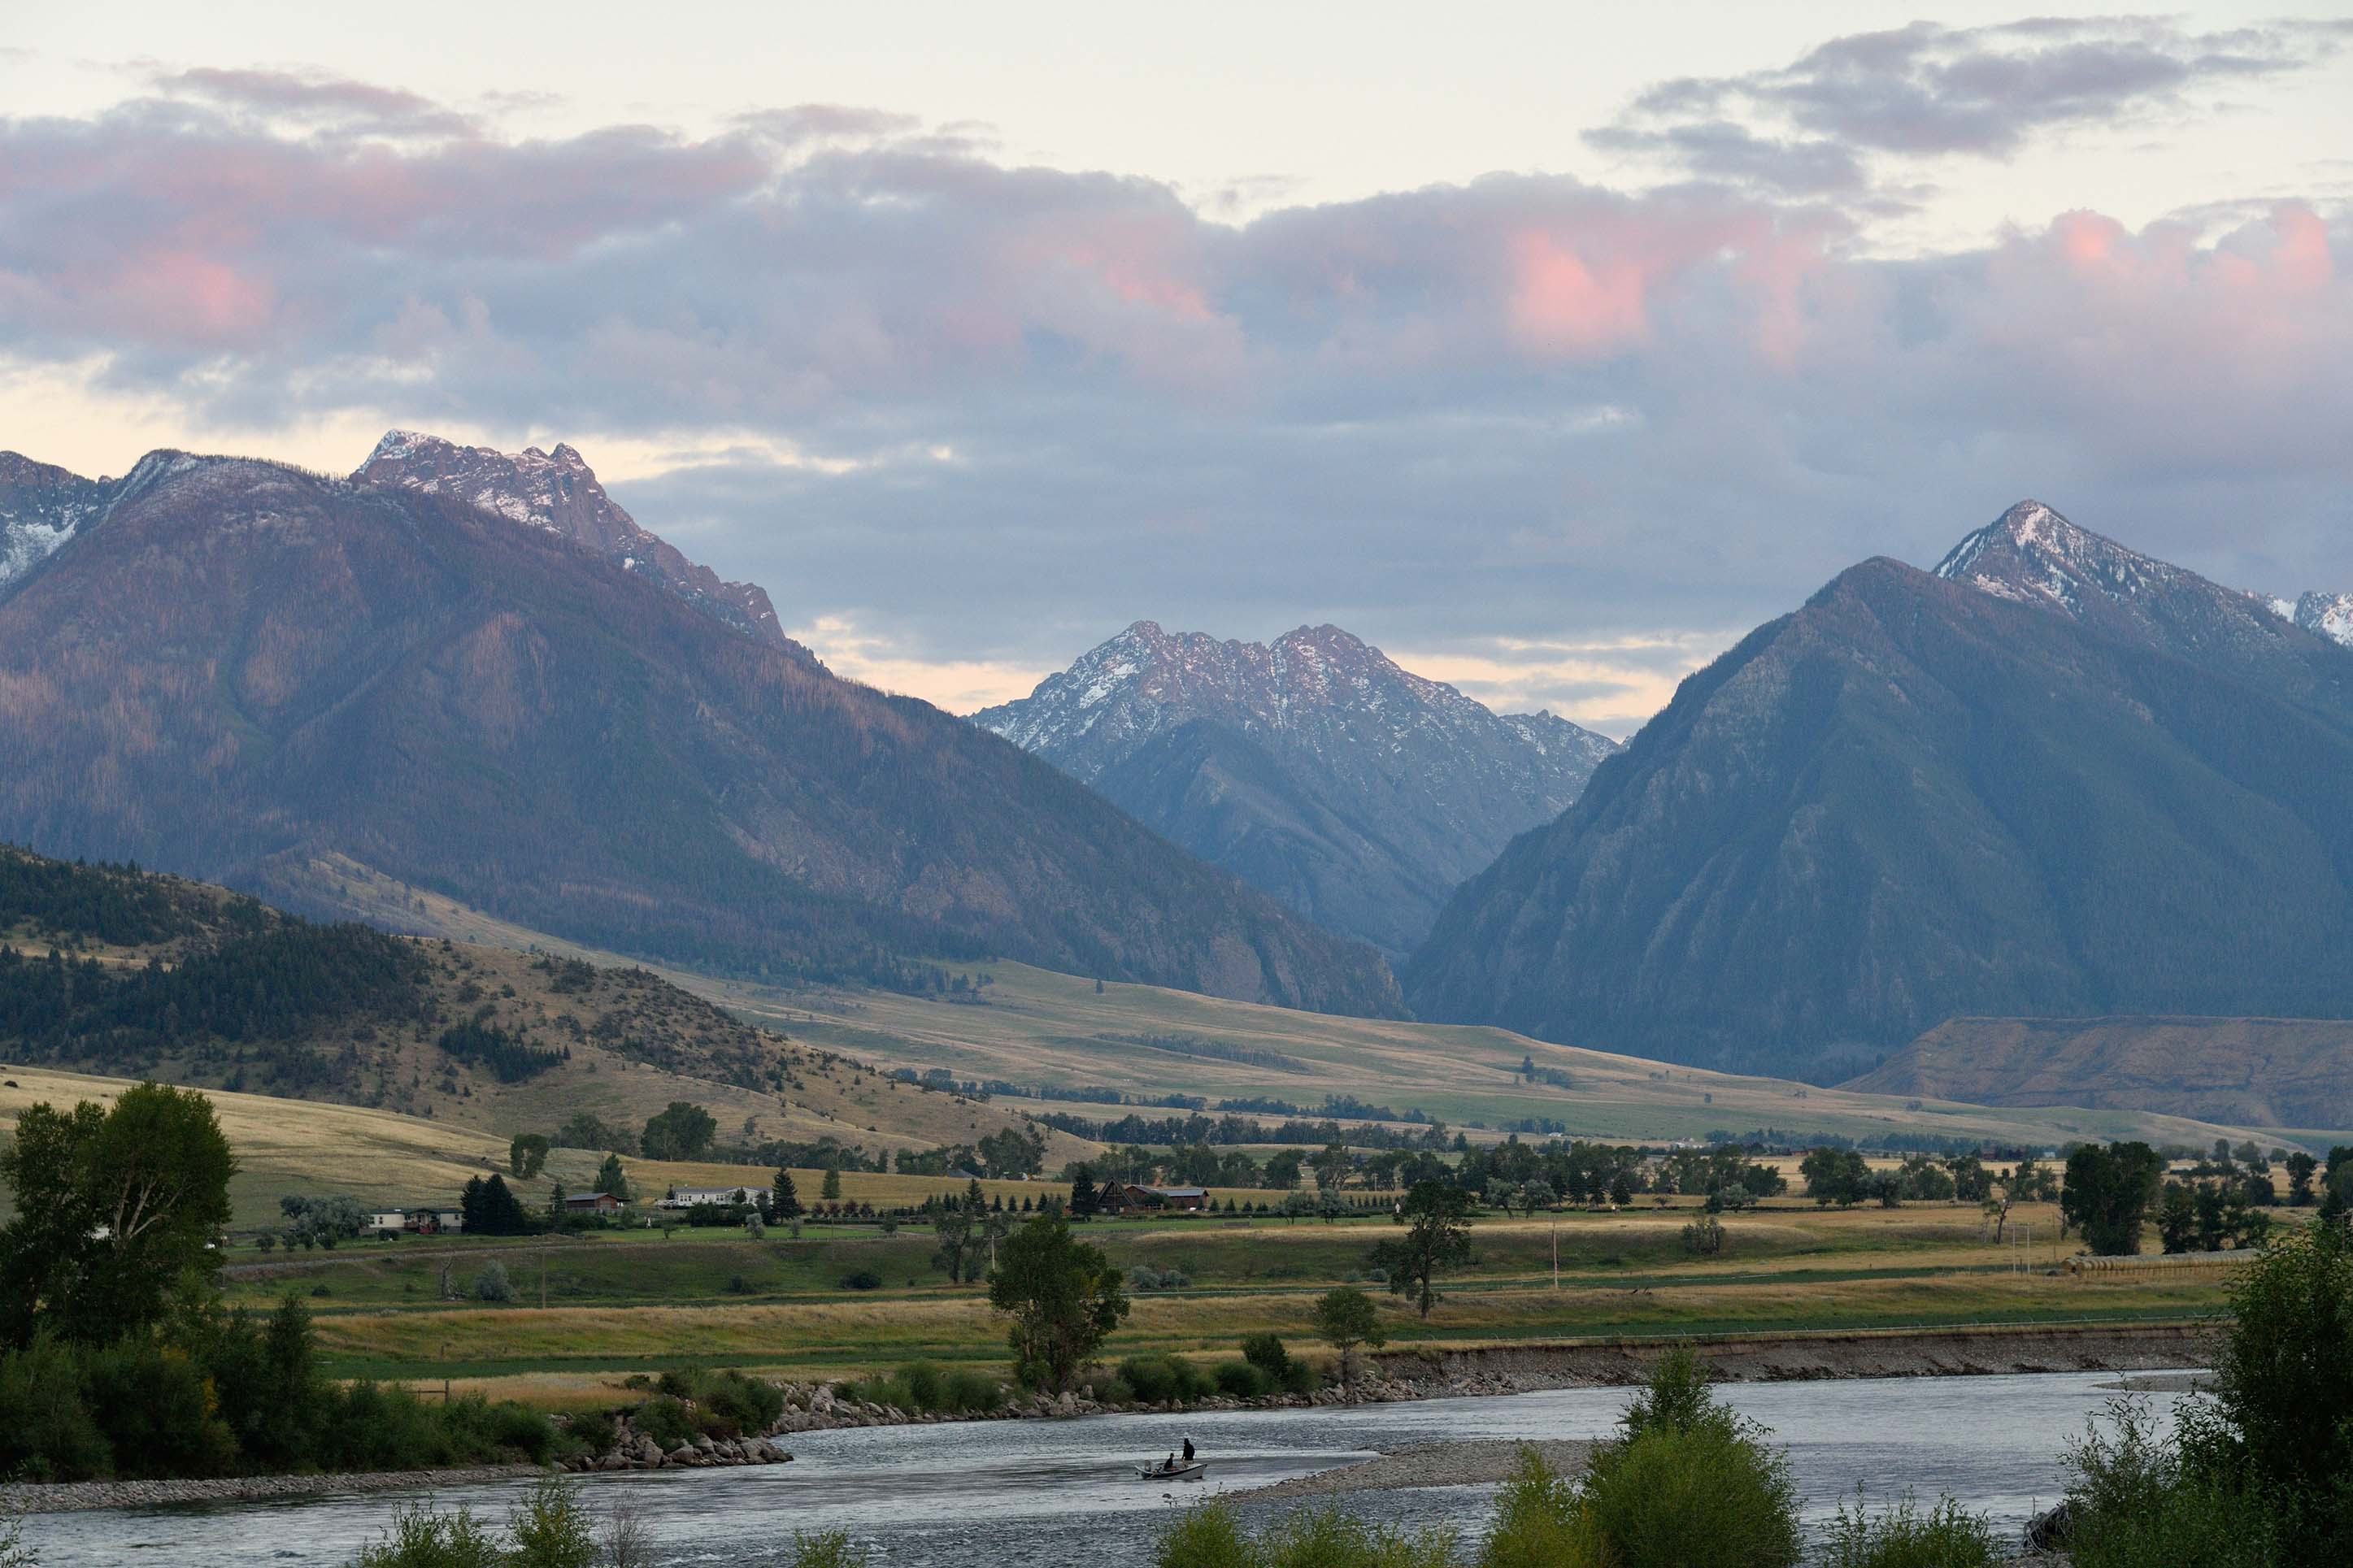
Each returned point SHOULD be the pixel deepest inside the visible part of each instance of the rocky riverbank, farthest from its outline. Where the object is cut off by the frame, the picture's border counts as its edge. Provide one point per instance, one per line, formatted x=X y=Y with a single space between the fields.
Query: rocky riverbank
x=72 y=1497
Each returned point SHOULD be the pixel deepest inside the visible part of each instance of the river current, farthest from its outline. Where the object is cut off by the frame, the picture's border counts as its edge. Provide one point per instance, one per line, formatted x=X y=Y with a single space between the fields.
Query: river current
x=1047 y=1494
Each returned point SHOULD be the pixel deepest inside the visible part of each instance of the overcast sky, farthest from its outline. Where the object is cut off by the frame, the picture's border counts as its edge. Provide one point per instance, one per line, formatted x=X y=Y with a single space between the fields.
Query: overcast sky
x=1549 y=351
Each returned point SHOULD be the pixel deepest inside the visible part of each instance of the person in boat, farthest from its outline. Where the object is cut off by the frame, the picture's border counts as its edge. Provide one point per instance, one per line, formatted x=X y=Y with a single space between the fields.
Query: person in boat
x=1189 y=1450
x=1168 y=1464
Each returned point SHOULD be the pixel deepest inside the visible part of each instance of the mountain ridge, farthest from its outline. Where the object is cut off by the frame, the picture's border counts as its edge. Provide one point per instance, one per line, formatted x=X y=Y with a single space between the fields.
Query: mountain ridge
x=1313 y=766
x=244 y=666
x=1918 y=796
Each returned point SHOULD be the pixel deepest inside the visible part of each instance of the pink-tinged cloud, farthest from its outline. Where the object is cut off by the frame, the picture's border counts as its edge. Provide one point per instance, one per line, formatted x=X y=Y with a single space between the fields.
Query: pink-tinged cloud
x=1561 y=304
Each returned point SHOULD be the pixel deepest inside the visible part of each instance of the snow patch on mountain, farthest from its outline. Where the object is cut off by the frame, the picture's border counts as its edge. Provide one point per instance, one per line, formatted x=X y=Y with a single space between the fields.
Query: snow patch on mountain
x=556 y=491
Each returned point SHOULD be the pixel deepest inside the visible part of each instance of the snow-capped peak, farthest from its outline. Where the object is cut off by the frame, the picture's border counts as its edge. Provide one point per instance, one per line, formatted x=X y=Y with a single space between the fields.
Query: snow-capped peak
x=2329 y=614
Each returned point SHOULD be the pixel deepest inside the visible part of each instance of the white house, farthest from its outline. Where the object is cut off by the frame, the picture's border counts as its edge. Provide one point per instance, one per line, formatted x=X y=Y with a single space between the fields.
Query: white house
x=689 y=1198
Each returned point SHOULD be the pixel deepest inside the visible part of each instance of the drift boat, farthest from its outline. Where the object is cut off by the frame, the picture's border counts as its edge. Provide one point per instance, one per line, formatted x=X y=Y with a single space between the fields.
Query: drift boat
x=1192 y=1472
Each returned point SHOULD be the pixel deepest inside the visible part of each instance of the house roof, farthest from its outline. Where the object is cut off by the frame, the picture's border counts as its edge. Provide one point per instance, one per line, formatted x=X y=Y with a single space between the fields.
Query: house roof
x=1173 y=1191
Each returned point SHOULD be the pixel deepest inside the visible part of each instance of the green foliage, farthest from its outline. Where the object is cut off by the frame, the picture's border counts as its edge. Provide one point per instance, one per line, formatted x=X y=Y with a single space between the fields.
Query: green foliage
x=509 y=1057
x=1946 y=1536
x=2137 y=1501
x=682 y=1131
x=922 y=1386
x=2108 y=1193
x=1063 y=1296
x=1437 y=1215
x=666 y=1419
x=1163 y=1379
x=492 y=1284
x=420 y=1537
x=490 y=1209
x=1240 y=1380
x=2285 y=1376
x=1688 y=1484
x=828 y=1549
x=1542 y=1522
x=612 y=1180
x=527 y=1156
x=1212 y=1537
x=553 y=1529
x=117 y=1208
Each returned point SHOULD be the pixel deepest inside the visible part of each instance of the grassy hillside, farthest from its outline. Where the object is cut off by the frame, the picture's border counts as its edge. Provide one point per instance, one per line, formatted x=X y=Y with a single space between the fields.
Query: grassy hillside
x=2269 y=1072
x=1034 y=1027
x=185 y=982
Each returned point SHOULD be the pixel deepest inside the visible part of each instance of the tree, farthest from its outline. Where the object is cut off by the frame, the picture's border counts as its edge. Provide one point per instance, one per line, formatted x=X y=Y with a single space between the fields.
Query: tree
x=1331 y=1163
x=1283 y=1168
x=2108 y=1193
x=2176 y=1218
x=587 y=1131
x=830 y=1189
x=612 y=1181
x=2285 y=1376
x=527 y=1156
x=2300 y=1168
x=1064 y=1297
x=1437 y=1238
x=681 y=1131
x=1083 y=1192
x=1837 y=1176
x=1345 y=1319
x=1013 y=1153
x=959 y=1250
x=117 y=1211
x=490 y=1209
x=783 y=1198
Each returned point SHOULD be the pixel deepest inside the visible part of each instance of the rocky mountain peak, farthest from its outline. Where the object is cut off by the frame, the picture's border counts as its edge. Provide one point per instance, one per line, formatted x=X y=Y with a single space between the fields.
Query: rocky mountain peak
x=2325 y=614
x=1355 y=791
x=559 y=491
x=2032 y=552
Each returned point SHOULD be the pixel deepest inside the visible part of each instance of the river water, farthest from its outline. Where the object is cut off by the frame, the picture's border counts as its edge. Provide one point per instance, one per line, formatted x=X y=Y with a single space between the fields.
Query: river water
x=1047 y=1494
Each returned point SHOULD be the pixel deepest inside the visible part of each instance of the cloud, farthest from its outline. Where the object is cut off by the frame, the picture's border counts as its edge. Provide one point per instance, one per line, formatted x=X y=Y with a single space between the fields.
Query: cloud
x=964 y=419
x=1927 y=91
x=314 y=99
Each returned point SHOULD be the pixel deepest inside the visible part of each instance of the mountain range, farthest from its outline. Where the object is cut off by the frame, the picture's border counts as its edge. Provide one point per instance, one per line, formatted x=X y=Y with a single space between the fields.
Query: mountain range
x=2051 y=778
x=1314 y=768
x=474 y=675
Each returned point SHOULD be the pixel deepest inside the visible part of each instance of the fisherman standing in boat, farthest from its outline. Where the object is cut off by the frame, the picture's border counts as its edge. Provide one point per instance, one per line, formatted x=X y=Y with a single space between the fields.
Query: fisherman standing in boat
x=1189 y=1450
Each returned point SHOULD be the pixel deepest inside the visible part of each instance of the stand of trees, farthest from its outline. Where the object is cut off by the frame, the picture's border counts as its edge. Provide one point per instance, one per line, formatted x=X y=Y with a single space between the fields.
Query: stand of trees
x=116 y=1359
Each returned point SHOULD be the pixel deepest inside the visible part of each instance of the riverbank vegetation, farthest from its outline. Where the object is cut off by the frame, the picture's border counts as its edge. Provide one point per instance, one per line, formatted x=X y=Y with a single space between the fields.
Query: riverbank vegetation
x=117 y=1357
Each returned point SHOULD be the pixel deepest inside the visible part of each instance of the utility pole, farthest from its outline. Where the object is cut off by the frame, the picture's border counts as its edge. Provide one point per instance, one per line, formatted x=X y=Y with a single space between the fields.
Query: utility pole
x=543 y=1274
x=1556 y=1255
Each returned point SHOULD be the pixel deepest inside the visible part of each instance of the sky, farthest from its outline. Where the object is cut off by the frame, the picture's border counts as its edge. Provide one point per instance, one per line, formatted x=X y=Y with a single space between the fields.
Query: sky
x=1549 y=348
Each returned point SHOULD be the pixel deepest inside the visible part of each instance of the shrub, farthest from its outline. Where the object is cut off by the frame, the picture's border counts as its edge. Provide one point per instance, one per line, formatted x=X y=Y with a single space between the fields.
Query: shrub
x=1688 y=1484
x=1709 y=1495
x=493 y=1285
x=830 y=1550
x=1207 y=1537
x=1541 y=1523
x=1903 y=1537
x=861 y=1279
x=421 y=1538
x=665 y=1420
x=595 y=1431
x=970 y=1392
x=1210 y=1537
x=921 y=1379
x=2133 y=1501
x=1266 y=1353
x=1159 y=1379
x=552 y=1529
x=1240 y=1380
x=49 y=1434
x=743 y=1403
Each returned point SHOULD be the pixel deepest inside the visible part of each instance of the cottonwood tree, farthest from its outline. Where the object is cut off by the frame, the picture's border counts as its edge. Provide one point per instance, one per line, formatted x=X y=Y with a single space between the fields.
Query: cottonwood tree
x=2108 y=1193
x=1437 y=1216
x=527 y=1156
x=1345 y=1318
x=1064 y=1297
x=117 y=1211
x=682 y=1130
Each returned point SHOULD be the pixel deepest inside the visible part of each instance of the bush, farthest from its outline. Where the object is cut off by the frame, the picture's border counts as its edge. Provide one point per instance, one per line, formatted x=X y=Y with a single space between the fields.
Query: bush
x=553 y=1529
x=734 y=1403
x=1210 y=1537
x=493 y=1285
x=1709 y=1495
x=593 y=1432
x=49 y=1434
x=666 y=1420
x=831 y=1548
x=1143 y=1277
x=421 y=1538
x=1688 y=1484
x=1903 y=1537
x=921 y=1379
x=861 y=1279
x=2134 y=1501
x=1240 y=1380
x=1160 y=1379
x=1266 y=1353
x=1541 y=1523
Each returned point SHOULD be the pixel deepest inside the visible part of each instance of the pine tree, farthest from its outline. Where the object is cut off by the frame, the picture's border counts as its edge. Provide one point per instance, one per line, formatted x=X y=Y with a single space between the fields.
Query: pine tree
x=782 y=1199
x=832 y=1187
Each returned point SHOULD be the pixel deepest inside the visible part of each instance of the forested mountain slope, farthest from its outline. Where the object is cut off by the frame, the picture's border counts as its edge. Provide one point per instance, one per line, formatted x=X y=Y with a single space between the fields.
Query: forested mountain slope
x=2056 y=779
x=234 y=669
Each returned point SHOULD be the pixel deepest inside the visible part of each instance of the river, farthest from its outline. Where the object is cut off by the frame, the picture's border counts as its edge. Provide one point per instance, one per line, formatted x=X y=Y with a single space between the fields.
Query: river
x=1047 y=1494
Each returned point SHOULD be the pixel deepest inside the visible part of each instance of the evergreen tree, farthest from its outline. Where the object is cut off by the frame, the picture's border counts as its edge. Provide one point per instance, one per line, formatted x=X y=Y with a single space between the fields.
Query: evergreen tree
x=612 y=1181
x=831 y=1187
x=783 y=1201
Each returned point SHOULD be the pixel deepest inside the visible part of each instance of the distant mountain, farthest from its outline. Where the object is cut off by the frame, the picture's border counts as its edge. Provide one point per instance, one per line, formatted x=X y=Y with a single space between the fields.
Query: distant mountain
x=558 y=491
x=2327 y=614
x=2053 y=778
x=1314 y=768
x=2251 y=1072
x=238 y=670
x=40 y=508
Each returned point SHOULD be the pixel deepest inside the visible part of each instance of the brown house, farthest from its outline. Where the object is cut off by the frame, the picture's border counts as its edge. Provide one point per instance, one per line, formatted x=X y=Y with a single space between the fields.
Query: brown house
x=1133 y=1198
x=591 y=1202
